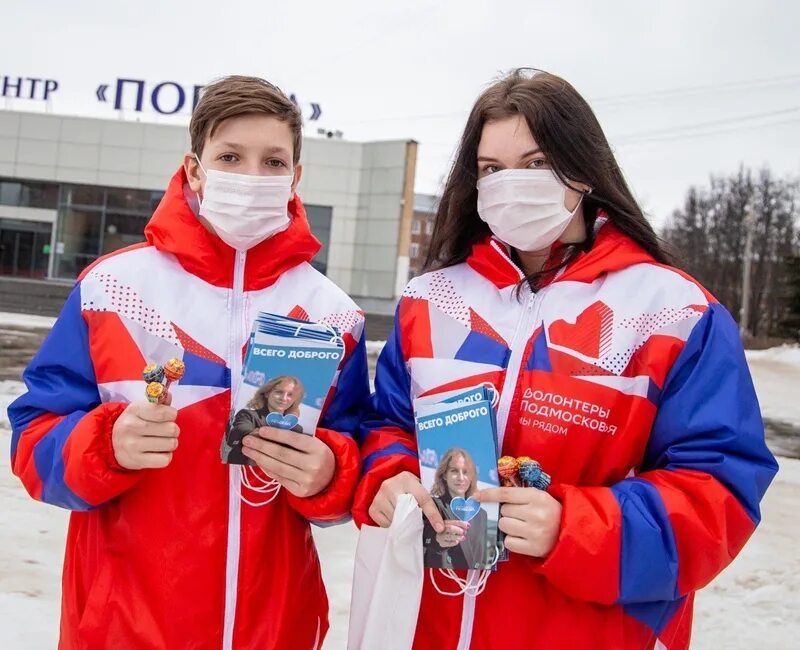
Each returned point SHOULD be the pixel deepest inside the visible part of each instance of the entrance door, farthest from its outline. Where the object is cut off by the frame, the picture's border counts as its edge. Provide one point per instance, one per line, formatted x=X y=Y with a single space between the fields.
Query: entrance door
x=24 y=248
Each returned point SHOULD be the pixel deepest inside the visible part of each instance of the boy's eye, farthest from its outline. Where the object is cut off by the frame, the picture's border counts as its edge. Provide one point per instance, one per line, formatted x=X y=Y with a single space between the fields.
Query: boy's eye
x=274 y=162
x=227 y=157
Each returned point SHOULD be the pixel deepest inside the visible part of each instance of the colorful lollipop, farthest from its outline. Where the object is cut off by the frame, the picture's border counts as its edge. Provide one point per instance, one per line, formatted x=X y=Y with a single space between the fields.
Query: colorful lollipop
x=507 y=467
x=155 y=392
x=531 y=474
x=153 y=372
x=174 y=369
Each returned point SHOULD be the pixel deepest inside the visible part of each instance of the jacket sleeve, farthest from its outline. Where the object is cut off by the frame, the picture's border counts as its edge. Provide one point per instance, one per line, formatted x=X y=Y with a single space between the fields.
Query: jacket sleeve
x=337 y=428
x=61 y=433
x=672 y=528
x=388 y=444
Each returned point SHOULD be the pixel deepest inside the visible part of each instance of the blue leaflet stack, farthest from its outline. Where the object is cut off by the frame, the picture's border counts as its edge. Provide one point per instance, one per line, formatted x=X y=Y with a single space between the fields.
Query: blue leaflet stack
x=458 y=450
x=287 y=374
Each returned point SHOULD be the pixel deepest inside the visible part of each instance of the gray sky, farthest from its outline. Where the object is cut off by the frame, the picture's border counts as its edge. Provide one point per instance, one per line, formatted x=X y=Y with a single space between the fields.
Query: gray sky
x=412 y=69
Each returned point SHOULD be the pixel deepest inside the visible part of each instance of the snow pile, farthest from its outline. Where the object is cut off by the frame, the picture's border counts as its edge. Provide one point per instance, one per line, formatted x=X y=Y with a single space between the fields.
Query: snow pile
x=26 y=320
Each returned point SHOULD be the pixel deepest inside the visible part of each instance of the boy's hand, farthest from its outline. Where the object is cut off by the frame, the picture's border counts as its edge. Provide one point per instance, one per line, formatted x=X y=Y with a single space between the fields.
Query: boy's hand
x=302 y=464
x=145 y=435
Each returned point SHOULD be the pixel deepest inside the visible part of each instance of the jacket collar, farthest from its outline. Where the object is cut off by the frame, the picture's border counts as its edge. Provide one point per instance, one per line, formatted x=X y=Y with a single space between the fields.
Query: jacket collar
x=611 y=251
x=174 y=228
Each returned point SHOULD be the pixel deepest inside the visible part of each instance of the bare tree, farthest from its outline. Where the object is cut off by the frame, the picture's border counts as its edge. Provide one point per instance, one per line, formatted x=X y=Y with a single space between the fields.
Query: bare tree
x=709 y=236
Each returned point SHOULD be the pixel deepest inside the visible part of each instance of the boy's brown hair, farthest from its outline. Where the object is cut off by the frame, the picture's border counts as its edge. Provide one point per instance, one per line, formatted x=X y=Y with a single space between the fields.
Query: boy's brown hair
x=239 y=95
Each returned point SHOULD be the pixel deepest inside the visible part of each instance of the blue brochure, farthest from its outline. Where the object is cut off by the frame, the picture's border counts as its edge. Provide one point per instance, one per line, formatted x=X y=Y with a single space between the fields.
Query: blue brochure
x=287 y=374
x=457 y=442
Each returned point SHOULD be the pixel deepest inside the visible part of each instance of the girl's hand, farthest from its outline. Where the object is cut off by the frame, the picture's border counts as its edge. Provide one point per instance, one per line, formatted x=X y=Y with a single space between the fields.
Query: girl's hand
x=382 y=508
x=530 y=518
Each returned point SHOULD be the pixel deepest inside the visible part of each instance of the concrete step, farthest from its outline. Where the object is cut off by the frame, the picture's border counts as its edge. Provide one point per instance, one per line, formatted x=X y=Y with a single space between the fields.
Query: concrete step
x=32 y=296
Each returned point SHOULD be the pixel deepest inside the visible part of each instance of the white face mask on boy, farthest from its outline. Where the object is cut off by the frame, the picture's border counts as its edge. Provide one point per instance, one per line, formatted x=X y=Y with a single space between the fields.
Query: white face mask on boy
x=524 y=207
x=245 y=210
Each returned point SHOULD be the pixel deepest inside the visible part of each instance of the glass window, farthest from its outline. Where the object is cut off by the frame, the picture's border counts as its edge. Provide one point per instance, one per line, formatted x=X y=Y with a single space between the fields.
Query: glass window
x=319 y=218
x=414 y=251
x=84 y=195
x=28 y=194
x=78 y=243
x=429 y=227
x=95 y=221
x=39 y=195
x=122 y=230
x=10 y=192
x=416 y=227
x=138 y=201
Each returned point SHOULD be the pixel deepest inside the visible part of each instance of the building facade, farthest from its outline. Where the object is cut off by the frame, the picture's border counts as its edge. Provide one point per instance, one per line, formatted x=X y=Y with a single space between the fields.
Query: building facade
x=73 y=189
x=421 y=231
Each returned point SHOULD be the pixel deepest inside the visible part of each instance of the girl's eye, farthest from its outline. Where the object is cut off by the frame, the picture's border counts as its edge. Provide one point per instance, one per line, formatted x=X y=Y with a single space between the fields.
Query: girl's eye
x=490 y=169
x=538 y=163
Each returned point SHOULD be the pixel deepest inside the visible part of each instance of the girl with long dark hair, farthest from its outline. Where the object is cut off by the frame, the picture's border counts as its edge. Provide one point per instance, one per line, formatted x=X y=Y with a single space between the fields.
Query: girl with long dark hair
x=619 y=373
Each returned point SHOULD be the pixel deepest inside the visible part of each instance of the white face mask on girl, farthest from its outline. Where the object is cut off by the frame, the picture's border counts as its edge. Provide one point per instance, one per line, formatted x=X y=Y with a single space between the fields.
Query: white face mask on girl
x=524 y=207
x=245 y=210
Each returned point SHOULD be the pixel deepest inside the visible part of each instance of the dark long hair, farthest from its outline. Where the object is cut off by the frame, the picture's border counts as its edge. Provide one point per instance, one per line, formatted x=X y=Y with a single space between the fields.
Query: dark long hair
x=568 y=133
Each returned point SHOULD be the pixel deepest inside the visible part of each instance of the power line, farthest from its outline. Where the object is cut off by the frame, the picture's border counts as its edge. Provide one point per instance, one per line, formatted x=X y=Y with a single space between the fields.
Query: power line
x=699 y=129
x=643 y=138
x=702 y=125
x=685 y=136
x=701 y=89
x=610 y=100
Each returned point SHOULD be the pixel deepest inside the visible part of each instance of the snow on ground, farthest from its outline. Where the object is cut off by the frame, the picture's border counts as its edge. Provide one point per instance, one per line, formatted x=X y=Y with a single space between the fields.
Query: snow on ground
x=753 y=603
x=9 y=390
x=788 y=354
x=374 y=347
x=26 y=320
x=776 y=375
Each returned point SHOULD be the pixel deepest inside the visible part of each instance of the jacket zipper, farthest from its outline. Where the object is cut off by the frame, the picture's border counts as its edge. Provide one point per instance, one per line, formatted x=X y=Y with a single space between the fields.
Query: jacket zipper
x=518 y=345
x=530 y=312
x=236 y=336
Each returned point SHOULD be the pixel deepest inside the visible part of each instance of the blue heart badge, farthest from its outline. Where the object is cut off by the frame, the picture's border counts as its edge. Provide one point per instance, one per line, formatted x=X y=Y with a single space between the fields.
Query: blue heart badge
x=465 y=509
x=282 y=421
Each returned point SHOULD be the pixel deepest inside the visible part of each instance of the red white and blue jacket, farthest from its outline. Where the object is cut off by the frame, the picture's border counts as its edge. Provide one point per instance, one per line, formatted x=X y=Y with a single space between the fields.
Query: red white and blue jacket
x=172 y=558
x=628 y=382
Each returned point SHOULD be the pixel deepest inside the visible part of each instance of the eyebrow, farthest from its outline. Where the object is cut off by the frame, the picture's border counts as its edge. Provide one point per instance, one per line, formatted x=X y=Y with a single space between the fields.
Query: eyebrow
x=268 y=150
x=532 y=152
x=271 y=150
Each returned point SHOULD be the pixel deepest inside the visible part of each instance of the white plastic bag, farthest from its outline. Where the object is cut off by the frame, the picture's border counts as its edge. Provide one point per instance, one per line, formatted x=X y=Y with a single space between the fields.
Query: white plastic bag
x=387 y=582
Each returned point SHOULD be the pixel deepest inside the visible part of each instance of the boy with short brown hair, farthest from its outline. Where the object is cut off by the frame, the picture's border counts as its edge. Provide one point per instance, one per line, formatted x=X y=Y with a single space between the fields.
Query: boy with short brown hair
x=167 y=547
